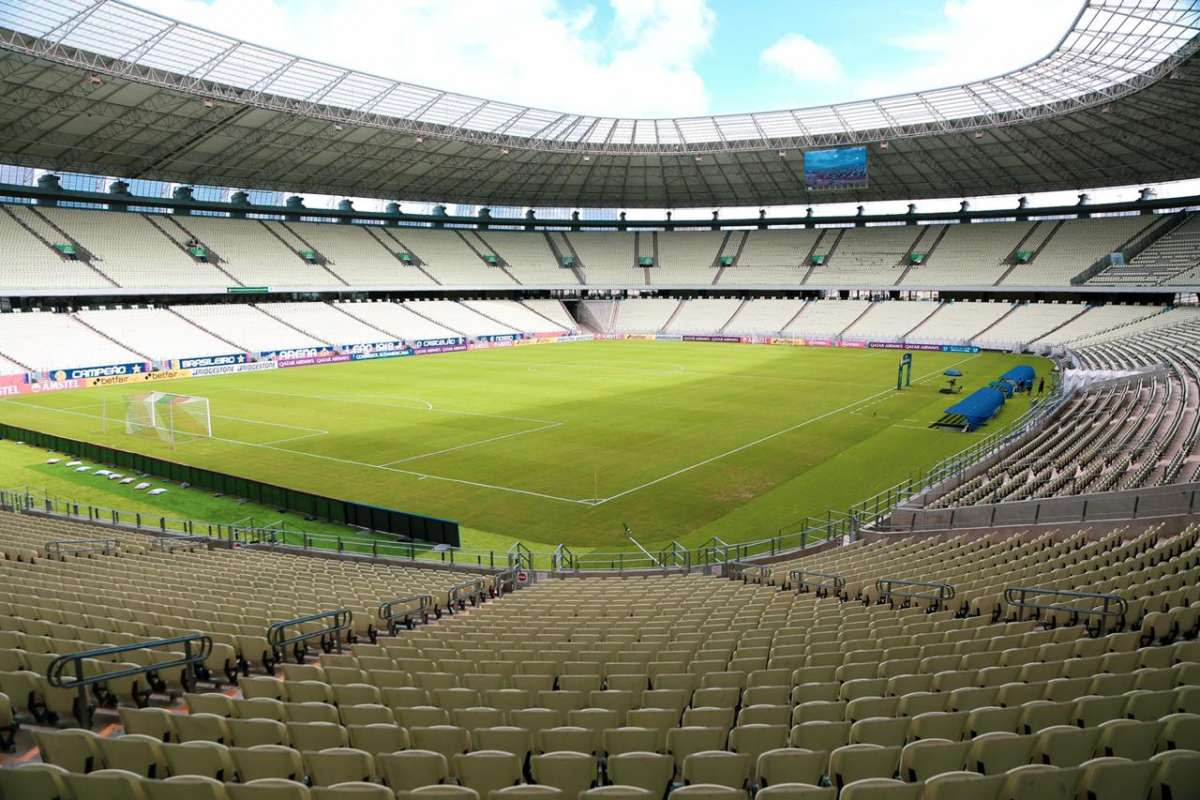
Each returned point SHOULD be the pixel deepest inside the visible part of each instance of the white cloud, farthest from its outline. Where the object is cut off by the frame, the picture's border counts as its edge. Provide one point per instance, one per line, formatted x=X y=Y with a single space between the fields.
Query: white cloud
x=531 y=52
x=802 y=59
x=974 y=39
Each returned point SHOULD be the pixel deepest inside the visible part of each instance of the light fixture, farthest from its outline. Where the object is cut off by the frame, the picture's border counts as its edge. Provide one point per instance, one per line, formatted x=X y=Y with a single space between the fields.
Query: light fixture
x=587 y=158
x=419 y=140
x=782 y=154
x=699 y=158
x=337 y=126
x=209 y=103
x=978 y=134
x=96 y=80
x=883 y=145
x=503 y=151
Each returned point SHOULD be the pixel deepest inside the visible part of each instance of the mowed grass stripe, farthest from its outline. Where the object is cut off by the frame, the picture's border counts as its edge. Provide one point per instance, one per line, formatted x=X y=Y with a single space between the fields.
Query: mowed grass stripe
x=521 y=441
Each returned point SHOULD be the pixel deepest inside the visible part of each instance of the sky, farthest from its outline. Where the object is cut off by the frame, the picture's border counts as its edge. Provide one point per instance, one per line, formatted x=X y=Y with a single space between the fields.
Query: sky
x=652 y=58
x=662 y=58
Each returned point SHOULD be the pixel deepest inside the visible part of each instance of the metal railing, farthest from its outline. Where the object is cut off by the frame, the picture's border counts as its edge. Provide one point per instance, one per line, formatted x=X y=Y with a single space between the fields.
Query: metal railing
x=330 y=636
x=398 y=612
x=746 y=572
x=196 y=649
x=1112 y=606
x=471 y=591
x=675 y=556
x=826 y=582
x=563 y=560
x=941 y=592
x=73 y=547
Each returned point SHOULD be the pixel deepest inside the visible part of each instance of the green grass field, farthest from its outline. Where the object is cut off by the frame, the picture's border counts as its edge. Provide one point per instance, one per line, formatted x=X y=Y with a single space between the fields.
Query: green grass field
x=564 y=443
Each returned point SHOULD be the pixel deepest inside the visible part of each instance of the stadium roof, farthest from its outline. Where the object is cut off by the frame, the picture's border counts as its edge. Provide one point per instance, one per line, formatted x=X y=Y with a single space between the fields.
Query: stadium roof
x=101 y=86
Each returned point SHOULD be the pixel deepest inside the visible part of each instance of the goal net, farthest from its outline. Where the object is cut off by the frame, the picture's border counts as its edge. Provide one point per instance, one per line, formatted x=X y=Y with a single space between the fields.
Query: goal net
x=171 y=417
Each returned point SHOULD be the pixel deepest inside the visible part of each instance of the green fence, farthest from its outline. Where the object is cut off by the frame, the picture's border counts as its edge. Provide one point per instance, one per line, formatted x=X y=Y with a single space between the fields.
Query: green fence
x=376 y=518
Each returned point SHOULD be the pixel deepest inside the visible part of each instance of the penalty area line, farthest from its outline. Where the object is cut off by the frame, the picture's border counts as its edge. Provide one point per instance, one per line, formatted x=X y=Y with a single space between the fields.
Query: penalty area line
x=466 y=445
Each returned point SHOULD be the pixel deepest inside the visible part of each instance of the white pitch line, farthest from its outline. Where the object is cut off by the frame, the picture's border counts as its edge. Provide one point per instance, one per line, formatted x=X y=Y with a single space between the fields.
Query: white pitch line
x=472 y=444
x=762 y=439
x=412 y=473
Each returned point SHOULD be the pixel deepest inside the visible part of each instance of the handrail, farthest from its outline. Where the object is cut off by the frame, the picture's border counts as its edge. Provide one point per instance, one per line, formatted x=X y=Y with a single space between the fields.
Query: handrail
x=330 y=635
x=746 y=571
x=387 y=611
x=1015 y=596
x=675 y=555
x=563 y=559
x=520 y=556
x=458 y=595
x=172 y=542
x=506 y=581
x=62 y=547
x=945 y=591
x=797 y=579
x=190 y=660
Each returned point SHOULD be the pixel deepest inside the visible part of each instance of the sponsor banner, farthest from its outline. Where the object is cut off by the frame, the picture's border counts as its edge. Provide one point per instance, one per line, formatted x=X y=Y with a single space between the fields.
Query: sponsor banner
x=449 y=348
x=669 y=337
x=308 y=361
x=818 y=343
x=924 y=347
x=373 y=347
x=207 y=361
x=500 y=337
x=447 y=342
x=638 y=336
x=381 y=354
x=483 y=344
x=790 y=342
x=853 y=344
x=718 y=338
x=121 y=380
x=253 y=366
x=51 y=385
x=298 y=353
x=577 y=337
x=549 y=335
x=108 y=370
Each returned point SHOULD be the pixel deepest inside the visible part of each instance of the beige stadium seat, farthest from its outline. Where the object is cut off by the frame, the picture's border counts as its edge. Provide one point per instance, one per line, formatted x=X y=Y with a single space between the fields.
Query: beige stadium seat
x=1177 y=775
x=316 y=736
x=204 y=758
x=186 y=787
x=1065 y=745
x=268 y=789
x=530 y=791
x=209 y=703
x=510 y=739
x=441 y=792
x=962 y=786
x=75 y=750
x=141 y=755
x=796 y=791
x=568 y=738
x=682 y=742
x=994 y=753
x=251 y=732
x=701 y=791
x=487 y=770
x=339 y=765
x=354 y=790
x=880 y=789
x=378 y=737
x=107 y=784
x=412 y=769
x=1114 y=778
x=35 y=781
x=157 y=723
x=202 y=728
x=630 y=740
x=573 y=773
x=647 y=770
x=719 y=767
x=268 y=761
x=618 y=792
x=1128 y=738
x=790 y=765
x=1038 y=782
x=854 y=762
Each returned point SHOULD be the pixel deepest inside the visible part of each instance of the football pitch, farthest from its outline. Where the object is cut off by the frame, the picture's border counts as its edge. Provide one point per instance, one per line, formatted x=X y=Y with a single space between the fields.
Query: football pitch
x=566 y=443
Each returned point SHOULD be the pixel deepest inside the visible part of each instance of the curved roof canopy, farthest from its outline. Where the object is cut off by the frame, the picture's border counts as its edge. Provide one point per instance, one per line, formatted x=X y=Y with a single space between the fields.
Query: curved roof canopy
x=1113 y=103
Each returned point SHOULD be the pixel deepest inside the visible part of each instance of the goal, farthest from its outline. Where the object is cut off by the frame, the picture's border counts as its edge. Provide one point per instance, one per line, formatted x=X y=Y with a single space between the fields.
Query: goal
x=172 y=417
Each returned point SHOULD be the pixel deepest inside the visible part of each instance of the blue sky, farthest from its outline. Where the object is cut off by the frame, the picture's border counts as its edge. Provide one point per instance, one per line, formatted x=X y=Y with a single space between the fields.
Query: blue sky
x=653 y=58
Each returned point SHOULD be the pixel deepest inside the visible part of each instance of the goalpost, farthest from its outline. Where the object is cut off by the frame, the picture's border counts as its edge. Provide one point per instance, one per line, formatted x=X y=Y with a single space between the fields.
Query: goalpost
x=171 y=417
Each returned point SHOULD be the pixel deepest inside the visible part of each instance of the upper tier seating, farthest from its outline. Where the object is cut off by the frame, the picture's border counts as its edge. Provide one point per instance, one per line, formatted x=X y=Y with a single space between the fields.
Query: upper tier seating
x=703 y=316
x=43 y=342
x=685 y=257
x=774 y=257
x=529 y=258
x=1074 y=247
x=156 y=332
x=361 y=255
x=248 y=328
x=447 y=256
x=1168 y=257
x=869 y=256
x=972 y=255
x=252 y=255
x=606 y=258
x=29 y=262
